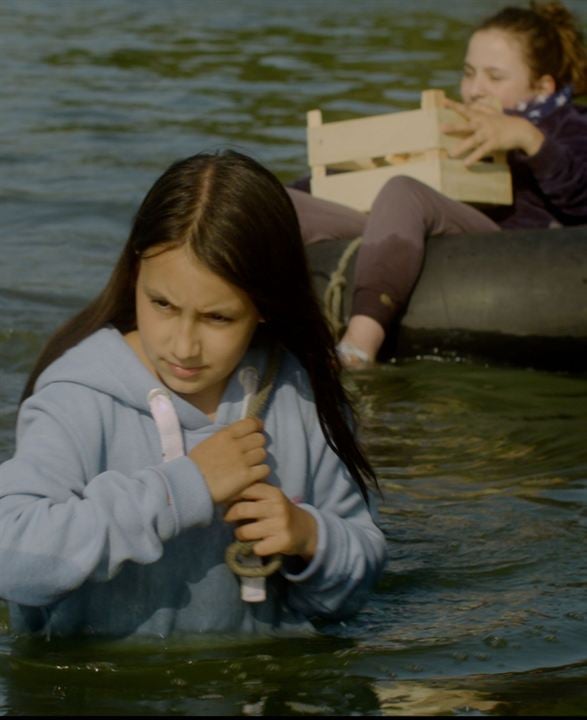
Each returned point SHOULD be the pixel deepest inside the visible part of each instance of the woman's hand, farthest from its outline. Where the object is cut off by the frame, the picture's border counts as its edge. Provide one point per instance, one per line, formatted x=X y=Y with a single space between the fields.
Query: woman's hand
x=487 y=130
x=232 y=459
x=274 y=522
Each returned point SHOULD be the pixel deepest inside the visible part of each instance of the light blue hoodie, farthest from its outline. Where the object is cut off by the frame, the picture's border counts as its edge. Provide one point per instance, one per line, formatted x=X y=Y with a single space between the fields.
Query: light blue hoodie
x=99 y=536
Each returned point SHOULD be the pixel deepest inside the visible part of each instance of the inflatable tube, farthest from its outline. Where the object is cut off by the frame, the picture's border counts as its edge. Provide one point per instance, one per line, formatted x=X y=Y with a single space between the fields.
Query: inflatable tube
x=515 y=297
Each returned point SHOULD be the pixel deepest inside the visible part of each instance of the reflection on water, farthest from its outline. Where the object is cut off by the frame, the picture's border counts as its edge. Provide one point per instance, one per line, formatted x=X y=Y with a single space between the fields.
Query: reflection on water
x=219 y=676
x=414 y=698
x=483 y=470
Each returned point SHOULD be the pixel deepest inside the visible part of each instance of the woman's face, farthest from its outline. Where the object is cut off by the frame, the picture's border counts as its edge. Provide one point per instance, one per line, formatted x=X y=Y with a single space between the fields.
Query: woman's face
x=193 y=327
x=495 y=67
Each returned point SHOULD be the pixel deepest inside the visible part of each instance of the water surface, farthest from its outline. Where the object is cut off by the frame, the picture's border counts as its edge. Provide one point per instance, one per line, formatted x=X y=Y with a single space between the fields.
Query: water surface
x=483 y=470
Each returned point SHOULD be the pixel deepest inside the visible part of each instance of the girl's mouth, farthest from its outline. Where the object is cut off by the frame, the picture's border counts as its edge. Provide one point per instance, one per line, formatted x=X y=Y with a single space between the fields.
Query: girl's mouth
x=183 y=372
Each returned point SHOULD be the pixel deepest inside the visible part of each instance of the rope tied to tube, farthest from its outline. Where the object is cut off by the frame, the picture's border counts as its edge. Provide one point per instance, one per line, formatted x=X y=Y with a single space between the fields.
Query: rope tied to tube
x=334 y=293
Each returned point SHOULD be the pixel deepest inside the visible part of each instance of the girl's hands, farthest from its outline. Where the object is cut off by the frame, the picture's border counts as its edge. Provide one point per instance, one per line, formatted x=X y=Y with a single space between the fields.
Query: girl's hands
x=232 y=459
x=232 y=464
x=277 y=524
x=487 y=130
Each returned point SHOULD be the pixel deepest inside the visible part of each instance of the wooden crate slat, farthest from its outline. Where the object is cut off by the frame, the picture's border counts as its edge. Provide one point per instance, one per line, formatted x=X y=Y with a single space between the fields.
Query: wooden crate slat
x=374 y=149
x=377 y=136
x=483 y=183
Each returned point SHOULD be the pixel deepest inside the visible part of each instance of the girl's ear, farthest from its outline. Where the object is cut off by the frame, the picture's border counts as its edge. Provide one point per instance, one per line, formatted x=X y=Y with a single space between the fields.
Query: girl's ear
x=545 y=85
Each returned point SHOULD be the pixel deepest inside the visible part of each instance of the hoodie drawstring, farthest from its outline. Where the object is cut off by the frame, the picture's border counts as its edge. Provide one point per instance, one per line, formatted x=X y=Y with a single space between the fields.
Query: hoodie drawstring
x=167 y=424
x=239 y=555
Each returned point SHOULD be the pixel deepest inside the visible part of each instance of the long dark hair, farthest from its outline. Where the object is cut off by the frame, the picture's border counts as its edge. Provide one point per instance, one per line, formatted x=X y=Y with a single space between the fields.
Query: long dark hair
x=242 y=225
x=552 y=40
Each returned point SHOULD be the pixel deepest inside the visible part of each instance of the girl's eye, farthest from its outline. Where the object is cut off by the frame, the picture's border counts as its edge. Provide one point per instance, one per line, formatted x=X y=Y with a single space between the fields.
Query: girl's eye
x=218 y=318
x=161 y=303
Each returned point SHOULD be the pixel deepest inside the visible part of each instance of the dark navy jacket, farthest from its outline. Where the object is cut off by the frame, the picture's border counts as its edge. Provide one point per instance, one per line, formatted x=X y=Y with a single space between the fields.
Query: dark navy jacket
x=550 y=187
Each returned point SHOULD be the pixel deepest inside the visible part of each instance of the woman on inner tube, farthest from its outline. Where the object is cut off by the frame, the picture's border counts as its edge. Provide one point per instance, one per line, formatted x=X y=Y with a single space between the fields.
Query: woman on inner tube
x=533 y=61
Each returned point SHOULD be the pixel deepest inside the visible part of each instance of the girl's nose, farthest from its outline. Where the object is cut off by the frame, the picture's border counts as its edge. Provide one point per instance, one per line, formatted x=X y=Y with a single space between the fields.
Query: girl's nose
x=187 y=344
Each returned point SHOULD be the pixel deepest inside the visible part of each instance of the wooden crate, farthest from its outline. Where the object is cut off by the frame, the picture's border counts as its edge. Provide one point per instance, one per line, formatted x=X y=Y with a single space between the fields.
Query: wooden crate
x=368 y=151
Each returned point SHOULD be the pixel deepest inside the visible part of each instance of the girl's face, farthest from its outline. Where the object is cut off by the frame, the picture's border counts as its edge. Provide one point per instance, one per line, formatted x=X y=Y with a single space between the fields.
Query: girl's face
x=495 y=67
x=193 y=327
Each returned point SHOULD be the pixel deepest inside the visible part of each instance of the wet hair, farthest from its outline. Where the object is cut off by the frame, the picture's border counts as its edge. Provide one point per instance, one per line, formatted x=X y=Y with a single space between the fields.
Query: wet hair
x=240 y=222
x=551 y=39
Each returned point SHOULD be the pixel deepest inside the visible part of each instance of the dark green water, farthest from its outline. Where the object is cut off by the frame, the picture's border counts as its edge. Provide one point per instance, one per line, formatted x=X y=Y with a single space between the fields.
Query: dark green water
x=482 y=609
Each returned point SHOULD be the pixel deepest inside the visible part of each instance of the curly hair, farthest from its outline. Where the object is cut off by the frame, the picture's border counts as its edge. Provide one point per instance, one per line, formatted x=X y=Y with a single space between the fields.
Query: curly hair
x=551 y=38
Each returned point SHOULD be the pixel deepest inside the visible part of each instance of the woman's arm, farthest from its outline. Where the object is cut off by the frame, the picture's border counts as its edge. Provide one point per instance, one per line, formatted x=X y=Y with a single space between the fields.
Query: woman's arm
x=486 y=130
x=557 y=157
x=560 y=171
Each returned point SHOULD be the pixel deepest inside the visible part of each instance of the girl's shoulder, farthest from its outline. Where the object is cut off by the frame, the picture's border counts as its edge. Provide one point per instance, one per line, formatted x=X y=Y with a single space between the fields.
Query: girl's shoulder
x=84 y=357
x=102 y=363
x=294 y=376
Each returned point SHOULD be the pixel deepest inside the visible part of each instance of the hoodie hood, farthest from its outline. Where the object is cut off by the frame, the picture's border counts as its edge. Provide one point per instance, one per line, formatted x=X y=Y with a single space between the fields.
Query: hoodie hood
x=104 y=362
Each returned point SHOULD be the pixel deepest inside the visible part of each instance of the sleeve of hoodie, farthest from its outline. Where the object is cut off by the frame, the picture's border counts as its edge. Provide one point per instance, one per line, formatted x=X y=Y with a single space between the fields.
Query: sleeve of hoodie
x=63 y=522
x=560 y=167
x=351 y=548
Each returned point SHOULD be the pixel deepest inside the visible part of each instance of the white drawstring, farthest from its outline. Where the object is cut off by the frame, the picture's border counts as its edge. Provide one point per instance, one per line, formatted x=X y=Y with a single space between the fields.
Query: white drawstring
x=252 y=588
x=167 y=424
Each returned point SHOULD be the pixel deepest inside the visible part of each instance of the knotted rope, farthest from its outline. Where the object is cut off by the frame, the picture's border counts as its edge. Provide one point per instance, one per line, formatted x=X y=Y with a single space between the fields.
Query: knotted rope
x=243 y=549
x=333 y=295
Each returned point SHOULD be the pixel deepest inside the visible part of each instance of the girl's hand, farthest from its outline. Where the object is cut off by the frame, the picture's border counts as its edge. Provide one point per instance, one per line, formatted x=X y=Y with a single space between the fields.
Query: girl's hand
x=277 y=524
x=487 y=130
x=232 y=459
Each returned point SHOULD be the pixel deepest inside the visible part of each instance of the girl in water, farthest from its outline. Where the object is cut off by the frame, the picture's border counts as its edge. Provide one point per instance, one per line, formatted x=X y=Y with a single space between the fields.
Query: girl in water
x=139 y=459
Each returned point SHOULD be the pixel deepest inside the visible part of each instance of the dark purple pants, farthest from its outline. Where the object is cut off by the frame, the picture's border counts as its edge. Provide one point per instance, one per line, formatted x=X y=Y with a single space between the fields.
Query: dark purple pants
x=404 y=214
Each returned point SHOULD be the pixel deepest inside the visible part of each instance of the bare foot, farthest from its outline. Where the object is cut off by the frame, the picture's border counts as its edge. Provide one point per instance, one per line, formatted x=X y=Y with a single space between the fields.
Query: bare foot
x=352 y=357
x=360 y=344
